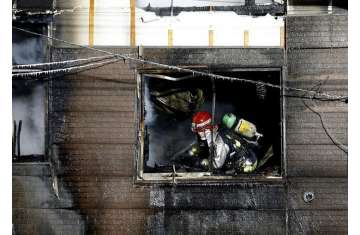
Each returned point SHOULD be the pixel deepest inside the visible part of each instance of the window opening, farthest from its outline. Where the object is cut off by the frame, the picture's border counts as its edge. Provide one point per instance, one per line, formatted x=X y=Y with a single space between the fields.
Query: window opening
x=29 y=125
x=29 y=97
x=244 y=124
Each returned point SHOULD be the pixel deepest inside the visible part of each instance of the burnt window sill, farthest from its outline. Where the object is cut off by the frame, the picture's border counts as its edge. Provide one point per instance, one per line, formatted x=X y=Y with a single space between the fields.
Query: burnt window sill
x=29 y=158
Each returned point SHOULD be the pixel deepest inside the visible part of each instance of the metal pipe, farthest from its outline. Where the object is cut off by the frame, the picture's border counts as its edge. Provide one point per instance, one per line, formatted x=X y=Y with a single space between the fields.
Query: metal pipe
x=18 y=139
x=174 y=79
x=212 y=123
x=14 y=139
x=172 y=8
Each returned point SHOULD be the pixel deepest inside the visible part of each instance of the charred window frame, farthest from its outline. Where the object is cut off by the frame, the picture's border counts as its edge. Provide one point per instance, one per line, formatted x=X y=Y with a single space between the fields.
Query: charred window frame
x=143 y=177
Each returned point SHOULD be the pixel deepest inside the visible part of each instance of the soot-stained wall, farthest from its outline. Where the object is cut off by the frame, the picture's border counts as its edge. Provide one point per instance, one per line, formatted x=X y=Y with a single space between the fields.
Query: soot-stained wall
x=93 y=142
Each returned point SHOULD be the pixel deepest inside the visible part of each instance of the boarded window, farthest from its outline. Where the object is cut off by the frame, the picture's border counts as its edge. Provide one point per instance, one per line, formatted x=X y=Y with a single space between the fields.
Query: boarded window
x=166 y=108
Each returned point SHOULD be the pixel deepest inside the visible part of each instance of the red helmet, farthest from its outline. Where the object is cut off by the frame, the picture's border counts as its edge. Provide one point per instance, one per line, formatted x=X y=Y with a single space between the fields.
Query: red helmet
x=201 y=121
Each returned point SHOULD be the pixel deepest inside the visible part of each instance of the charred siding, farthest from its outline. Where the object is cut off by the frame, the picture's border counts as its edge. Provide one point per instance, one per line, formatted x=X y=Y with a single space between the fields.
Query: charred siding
x=317 y=59
x=316 y=31
x=217 y=222
x=216 y=57
x=91 y=121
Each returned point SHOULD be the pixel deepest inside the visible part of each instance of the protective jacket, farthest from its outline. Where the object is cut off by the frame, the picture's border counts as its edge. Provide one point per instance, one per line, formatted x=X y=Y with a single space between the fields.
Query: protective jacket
x=230 y=151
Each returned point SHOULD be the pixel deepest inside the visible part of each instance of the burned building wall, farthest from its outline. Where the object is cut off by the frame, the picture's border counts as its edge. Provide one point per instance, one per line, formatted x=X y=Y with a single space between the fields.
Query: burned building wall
x=92 y=124
x=92 y=129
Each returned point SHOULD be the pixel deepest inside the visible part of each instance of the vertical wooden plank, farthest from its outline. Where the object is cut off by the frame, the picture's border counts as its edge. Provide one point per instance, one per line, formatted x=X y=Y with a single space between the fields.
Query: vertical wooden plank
x=170 y=37
x=132 y=24
x=91 y=23
x=211 y=37
x=282 y=37
x=246 y=38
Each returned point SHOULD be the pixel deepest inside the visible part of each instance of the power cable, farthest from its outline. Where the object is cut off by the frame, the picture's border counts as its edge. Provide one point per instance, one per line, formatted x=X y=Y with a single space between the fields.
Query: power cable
x=25 y=70
x=59 y=72
x=331 y=137
x=66 y=63
x=345 y=99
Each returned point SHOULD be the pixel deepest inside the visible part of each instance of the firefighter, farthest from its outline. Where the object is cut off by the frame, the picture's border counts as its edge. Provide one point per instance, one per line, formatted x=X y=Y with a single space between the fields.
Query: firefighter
x=231 y=152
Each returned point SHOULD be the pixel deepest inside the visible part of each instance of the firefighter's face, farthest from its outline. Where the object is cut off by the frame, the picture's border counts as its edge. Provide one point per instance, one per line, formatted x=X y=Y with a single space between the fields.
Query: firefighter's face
x=205 y=134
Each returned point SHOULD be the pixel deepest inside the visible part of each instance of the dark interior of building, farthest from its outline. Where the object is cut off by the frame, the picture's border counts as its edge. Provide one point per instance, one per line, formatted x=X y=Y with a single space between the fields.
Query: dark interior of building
x=168 y=124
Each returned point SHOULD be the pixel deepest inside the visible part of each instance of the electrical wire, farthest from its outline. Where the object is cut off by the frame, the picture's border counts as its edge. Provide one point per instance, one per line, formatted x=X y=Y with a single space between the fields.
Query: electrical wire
x=345 y=99
x=25 y=70
x=47 y=12
x=60 y=72
x=180 y=69
x=63 y=64
x=331 y=137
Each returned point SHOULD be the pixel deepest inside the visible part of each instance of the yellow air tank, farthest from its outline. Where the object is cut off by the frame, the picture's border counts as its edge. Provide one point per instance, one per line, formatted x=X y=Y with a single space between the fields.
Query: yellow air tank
x=241 y=126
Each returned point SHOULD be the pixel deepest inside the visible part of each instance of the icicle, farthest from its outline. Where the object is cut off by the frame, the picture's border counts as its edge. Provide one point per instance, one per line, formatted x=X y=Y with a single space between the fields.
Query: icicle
x=46 y=74
x=62 y=64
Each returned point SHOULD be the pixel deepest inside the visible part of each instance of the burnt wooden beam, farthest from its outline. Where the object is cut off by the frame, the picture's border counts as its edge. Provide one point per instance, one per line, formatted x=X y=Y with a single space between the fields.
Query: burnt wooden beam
x=250 y=8
x=309 y=2
x=23 y=16
x=338 y=3
x=35 y=4
x=219 y=58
